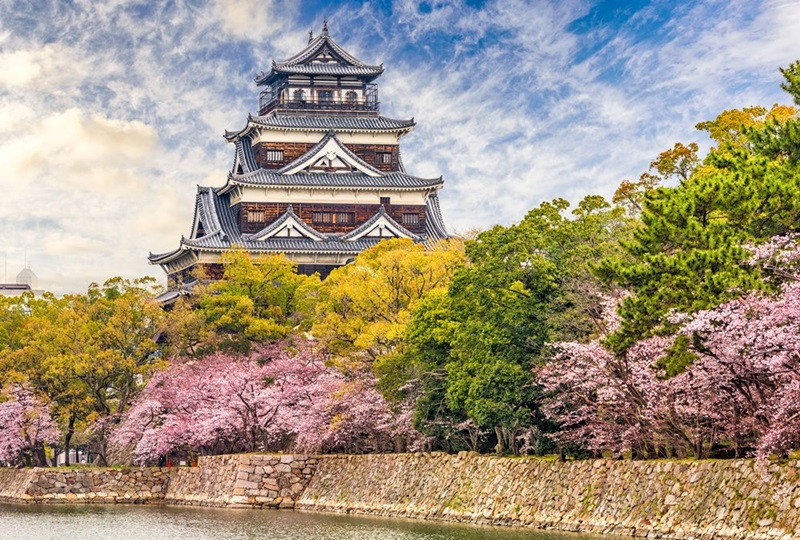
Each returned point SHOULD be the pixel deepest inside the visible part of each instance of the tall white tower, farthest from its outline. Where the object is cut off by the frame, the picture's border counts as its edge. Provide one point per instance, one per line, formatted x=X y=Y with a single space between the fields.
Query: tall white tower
x=27 y=277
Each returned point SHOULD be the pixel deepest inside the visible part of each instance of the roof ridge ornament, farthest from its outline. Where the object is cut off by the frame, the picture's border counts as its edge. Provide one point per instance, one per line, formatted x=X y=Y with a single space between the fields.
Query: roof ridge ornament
x=325 y=26
x=310 y=38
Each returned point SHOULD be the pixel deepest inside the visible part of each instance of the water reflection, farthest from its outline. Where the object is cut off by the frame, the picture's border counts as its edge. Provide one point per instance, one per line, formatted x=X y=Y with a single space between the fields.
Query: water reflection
x=39 y=522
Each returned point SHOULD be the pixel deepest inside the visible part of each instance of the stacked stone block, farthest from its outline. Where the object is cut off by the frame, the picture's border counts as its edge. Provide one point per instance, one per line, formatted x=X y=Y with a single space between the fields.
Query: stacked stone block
x=247 y=480
x=698 y=500
x=84 y=485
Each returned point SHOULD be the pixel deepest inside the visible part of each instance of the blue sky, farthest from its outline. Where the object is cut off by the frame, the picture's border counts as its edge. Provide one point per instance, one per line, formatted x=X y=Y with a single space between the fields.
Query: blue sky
x=112 y=111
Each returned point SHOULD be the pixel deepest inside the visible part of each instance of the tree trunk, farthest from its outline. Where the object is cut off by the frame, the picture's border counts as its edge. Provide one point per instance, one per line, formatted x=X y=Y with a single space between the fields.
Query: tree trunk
x=499 y=447
x=67 y=439
x=39 y=456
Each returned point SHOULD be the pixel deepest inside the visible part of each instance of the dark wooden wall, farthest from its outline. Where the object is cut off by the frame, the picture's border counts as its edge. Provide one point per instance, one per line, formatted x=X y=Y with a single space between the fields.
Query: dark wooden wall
x=292 y=151
x=197 y=271
x=305 y=211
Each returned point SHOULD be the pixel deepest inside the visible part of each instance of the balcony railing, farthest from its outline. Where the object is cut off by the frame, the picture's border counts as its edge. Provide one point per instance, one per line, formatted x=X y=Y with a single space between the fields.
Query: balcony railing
x=282 y=98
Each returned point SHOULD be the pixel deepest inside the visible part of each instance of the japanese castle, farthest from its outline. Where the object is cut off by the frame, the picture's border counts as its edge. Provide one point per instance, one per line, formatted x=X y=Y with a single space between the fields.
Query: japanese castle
x=316 y=176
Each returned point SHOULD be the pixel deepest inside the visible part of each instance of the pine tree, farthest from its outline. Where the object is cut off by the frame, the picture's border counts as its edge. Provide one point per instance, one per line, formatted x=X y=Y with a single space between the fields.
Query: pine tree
x=689 y=253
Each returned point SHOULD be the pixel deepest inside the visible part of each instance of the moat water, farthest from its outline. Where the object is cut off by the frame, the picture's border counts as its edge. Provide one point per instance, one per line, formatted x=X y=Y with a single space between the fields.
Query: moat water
x=120 y=522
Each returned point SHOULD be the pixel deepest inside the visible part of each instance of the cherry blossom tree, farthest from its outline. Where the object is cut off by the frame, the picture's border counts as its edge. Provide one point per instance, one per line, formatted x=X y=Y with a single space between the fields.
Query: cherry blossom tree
x=26 y=425
x=280 y=396
x=740 y=390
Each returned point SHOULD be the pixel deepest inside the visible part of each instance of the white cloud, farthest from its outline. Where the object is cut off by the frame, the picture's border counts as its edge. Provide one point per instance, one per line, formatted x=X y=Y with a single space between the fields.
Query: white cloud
x=57 y=64
x=254 y=19
x=111 y=112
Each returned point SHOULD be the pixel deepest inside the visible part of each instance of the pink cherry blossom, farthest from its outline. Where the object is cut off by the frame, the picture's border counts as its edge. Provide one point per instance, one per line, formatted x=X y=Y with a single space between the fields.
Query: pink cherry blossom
x=26 y=425
x=281 y=396
x=741 y=392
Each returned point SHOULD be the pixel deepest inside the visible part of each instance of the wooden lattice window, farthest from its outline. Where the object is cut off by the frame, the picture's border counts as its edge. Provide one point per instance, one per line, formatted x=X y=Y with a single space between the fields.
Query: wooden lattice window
x=340 y=218
x=385 y=201
x=256 y=216
x=299 y=95
x=344 y=218
x=274 y=155
x=410 y=219
x=322 y=217
x=383 y=158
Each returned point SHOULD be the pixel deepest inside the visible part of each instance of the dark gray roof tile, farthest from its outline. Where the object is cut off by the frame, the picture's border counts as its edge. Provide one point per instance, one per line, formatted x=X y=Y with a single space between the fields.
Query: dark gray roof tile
x=392 y=180
x=324 y=123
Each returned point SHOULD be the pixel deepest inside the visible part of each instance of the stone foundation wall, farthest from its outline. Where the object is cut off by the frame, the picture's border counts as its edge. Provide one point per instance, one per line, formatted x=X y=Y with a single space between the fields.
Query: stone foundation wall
x=14 y=483
x=247 y=480
x=662 y=499
x=659 y=499
x=84 y=485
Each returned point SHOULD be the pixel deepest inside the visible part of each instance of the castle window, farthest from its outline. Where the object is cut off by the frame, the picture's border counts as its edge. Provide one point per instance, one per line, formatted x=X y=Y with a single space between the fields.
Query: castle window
x=299 y=95
x=338 y=218
x=325 y=96
x=385 y=201
x=410 y=219
x=344 y=218
x=351 y=97
x=255 y=216
x=322 y=217
x=274 y=155
x=383 y=158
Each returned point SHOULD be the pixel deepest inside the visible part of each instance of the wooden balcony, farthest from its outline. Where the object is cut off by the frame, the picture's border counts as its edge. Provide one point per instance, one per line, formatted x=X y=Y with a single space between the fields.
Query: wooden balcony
x=285 y=99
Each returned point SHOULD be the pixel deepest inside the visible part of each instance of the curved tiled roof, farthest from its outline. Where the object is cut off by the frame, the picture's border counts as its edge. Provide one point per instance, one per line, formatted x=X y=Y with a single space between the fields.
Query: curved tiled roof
x=300 y=62
x=221 y=233
x=244 y=156
x=434 y=223
x=324 y=123
x=393 y=180
x=327 y=69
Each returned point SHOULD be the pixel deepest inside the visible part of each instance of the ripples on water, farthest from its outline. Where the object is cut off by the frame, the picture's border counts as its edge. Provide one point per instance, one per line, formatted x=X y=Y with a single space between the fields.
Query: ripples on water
x=57 y=522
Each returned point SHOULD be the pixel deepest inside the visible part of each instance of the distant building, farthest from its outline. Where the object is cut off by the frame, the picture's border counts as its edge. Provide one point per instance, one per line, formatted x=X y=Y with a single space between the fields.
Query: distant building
x=13 y=289
x=26 y=281
x=317 y=175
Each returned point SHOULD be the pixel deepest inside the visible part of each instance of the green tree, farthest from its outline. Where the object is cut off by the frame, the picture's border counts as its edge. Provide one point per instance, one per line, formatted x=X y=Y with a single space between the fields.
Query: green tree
x=471 y=351
x=364 y=307
x=678 y=162
x=259 y=298
x=88 y=354
x=688 y=254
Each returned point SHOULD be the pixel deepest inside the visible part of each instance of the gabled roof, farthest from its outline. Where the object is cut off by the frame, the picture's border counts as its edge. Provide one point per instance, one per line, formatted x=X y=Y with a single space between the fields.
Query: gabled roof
x=352 y=124
x=221 y=233
x=335 y=61
x=289 y=225
x=375 y=226
x=332 y=150
x=340 y=169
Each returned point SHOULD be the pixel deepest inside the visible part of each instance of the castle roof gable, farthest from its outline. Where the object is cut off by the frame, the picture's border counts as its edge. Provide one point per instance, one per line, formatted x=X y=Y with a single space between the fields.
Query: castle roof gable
x=322 y=56
x=380 y=226
x=289 y=225
x=332 y=154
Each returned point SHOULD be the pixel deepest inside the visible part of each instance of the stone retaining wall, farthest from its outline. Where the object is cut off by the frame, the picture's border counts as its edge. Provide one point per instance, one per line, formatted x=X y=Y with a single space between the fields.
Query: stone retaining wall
x=247 y=480
x=660 y=499
x=84 y=485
